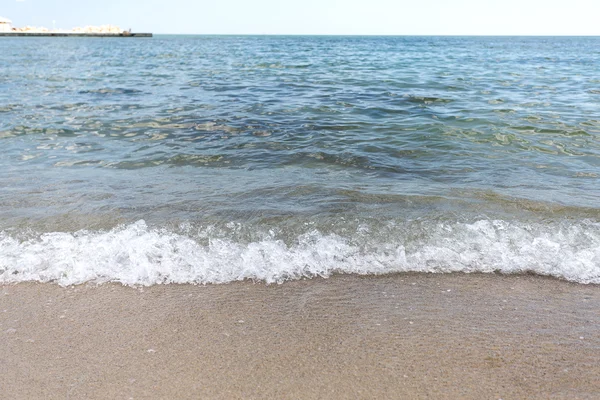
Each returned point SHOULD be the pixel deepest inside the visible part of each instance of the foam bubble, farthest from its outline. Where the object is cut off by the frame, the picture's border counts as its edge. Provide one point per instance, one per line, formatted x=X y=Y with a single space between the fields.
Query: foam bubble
x=136 y=254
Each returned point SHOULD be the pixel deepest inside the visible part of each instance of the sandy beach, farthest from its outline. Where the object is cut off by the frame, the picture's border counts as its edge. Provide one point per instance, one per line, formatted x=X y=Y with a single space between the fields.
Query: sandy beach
x=398 y=336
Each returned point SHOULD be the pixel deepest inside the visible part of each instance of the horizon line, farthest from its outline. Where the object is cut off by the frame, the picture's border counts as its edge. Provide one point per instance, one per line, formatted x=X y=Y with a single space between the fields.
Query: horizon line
x=378 y=34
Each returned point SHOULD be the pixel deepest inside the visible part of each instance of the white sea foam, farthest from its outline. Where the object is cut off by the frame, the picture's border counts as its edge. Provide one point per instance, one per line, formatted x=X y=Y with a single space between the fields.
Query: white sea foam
x=139 y=255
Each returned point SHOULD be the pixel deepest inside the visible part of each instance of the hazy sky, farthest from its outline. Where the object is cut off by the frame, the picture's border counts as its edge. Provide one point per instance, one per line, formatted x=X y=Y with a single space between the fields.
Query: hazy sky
x=360 y=17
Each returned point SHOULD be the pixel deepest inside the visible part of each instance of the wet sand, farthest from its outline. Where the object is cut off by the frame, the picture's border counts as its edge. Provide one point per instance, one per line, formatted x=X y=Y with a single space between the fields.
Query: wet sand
x=399 y=336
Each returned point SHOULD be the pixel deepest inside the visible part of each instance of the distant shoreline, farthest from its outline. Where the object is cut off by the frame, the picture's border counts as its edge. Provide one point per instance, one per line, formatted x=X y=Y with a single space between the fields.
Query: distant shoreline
x=61 y=34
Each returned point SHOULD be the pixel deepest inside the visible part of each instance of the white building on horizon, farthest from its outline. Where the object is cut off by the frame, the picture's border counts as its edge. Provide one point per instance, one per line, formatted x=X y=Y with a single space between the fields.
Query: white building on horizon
x=5 y=25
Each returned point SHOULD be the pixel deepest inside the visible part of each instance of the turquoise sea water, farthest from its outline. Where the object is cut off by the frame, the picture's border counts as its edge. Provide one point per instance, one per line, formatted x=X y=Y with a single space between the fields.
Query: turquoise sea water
x=208 y=159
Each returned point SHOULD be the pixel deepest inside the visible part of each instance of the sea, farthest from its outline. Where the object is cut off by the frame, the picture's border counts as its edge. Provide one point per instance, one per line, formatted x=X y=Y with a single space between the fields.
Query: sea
x=213 y=159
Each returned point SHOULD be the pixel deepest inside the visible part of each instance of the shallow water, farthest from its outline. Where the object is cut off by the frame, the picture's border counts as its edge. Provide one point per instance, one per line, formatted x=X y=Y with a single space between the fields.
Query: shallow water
x=211 y=159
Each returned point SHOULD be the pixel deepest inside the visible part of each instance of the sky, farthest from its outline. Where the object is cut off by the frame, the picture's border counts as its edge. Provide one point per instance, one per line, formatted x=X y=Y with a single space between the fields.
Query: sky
x=316 y=17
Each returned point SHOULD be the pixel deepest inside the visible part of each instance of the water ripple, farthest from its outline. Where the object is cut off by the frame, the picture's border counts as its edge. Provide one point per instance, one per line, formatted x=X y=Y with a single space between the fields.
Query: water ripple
x=509 y=114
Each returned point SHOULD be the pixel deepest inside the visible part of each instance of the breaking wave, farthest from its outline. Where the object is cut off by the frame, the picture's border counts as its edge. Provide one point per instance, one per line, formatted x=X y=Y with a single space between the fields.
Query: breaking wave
x=137 y=254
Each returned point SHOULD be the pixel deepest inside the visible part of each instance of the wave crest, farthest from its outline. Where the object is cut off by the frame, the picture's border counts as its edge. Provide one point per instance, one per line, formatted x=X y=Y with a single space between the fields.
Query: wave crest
x=137 y=254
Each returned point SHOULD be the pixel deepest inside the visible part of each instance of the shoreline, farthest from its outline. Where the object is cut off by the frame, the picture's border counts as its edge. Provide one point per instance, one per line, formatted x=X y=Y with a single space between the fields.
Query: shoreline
x=63 y=34
x=409 y=335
